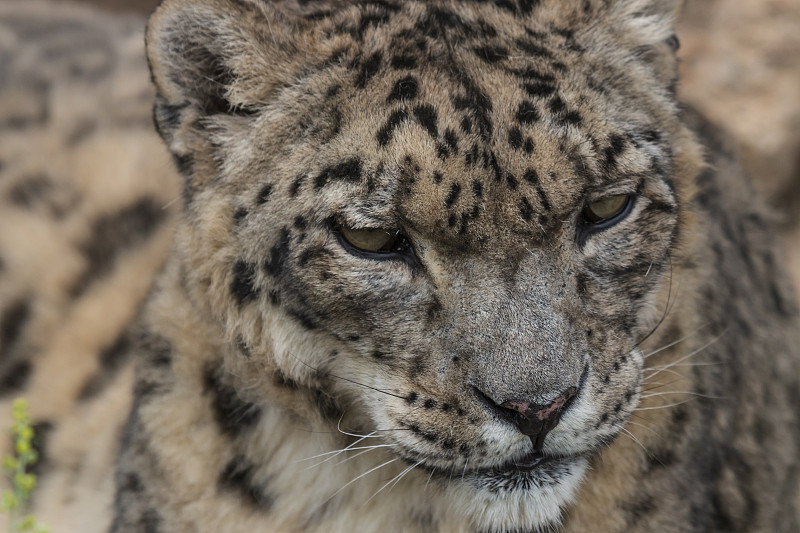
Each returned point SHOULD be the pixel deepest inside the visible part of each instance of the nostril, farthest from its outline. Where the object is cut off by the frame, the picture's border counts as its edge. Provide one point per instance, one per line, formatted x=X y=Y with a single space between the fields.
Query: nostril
x=532 y=419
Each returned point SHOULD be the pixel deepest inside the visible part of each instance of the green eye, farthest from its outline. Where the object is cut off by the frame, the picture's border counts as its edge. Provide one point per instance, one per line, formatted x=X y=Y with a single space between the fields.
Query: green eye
x=373 y=240
x=606 y=208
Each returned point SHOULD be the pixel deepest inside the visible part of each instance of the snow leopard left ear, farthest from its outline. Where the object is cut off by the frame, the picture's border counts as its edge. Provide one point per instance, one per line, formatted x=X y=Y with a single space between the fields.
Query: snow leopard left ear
x=220 y=57
x=644 y=22
x=646 y=28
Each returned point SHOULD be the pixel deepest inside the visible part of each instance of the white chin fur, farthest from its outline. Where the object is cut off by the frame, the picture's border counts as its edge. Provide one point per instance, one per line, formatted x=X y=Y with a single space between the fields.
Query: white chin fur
x=534 y=509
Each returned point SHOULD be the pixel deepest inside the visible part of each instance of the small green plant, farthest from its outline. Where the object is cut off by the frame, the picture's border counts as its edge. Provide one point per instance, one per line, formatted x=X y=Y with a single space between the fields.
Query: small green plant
x=15 y=501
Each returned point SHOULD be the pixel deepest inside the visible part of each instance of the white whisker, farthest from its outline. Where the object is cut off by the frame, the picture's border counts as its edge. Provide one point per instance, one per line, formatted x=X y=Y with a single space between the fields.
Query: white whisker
x=694 y=352
x=634 y=439
x=433 y=469
x=357 y=478
x=396 y=480
x=664 y=406
x=338 y=452
x=644 y=427
x=688 y=393
x=334 y=451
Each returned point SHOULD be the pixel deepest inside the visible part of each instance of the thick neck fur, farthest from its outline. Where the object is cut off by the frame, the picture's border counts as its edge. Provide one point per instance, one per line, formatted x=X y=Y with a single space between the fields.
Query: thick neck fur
x=269 y=463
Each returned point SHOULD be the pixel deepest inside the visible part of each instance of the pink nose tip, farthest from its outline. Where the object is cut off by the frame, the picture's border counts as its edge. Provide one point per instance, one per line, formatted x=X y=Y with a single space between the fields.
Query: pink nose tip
x=535 y=420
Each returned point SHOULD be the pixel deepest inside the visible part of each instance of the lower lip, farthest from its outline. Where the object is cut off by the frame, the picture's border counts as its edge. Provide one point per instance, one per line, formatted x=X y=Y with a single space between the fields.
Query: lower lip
x=526 y=463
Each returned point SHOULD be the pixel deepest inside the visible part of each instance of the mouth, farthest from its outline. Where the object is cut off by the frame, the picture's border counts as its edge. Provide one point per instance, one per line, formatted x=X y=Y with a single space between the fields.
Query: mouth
x=526 y=463
x=530 y=465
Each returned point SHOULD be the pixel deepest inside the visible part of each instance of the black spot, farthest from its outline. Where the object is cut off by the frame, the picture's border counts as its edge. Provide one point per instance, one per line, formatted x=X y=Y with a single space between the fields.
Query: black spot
x=425 y=435
x=451 y=139
x=539 y=90
x=243 y=285
x=640 y=508
x=527 y=113
x=615 y=148
x=299 y=222
x=434 y=309
x=437 y=177
x=411 y=397
x=369 y=68
x=572 y=117
x=515 y=138
x=265 y=193
x=429 y=404
x=511 y=180
x=491 y=54
x=557 y=105
x=526 y=6
x=12 y=322
x=310 y=253
x=296 y=184
x=531 y=176
x=333 y=90
x=239 y=216
x=231 y=413
x=528 y=146
x=426 y=115
x=403 y=62
x=15 y=376
x=149 y=522
x=31 y=190
x=111 y=361
x=303 y=317
x=466 y=125
x=238 y=477
x=452 y=196
x=533 y=49
x=404 y=89
x=279 y=253
x=370 y=19
x=387 y=130
x=477 y=189
x=525 y=209
x=347 y=170
x=129 y=482
x=112 y=235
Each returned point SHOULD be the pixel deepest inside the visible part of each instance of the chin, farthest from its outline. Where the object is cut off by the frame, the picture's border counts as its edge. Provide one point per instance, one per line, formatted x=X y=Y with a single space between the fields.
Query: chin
x=514 y=500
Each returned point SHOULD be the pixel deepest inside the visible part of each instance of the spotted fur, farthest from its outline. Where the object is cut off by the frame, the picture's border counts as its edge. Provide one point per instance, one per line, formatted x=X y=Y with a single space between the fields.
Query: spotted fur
x=283 y=380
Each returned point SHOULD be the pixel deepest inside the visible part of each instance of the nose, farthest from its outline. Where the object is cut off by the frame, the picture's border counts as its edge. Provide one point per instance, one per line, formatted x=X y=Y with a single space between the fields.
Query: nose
x=536 y=420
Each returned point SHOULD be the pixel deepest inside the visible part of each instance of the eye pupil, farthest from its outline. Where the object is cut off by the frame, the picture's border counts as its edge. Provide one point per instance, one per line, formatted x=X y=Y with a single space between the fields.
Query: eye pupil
x=606 y=208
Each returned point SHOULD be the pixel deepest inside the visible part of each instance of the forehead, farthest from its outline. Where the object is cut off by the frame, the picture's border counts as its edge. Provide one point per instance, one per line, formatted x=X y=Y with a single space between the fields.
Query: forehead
x=461 y=118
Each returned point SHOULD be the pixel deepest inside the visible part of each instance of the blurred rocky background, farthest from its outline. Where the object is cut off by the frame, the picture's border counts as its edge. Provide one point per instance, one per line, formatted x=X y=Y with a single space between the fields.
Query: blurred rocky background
x=741 y=68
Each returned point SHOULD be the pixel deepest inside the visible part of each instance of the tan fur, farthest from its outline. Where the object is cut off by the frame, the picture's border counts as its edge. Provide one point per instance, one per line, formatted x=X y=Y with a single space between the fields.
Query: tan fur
x=266 y=355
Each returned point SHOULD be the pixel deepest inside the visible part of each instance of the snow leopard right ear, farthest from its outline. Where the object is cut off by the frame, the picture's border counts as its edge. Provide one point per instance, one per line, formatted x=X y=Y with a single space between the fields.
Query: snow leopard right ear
x=212 y=57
